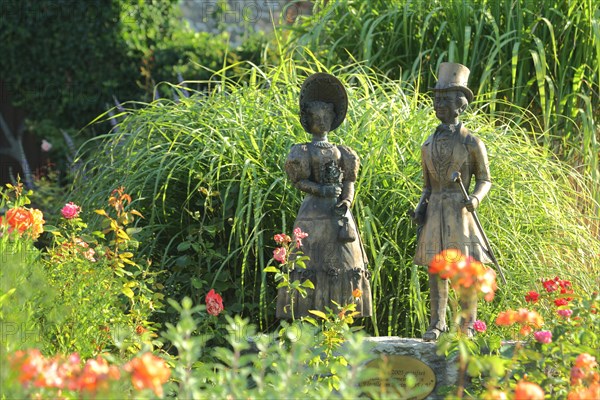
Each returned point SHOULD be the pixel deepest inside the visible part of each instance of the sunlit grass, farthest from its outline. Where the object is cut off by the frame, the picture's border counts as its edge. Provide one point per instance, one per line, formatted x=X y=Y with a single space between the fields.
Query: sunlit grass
x=541 y=56
x=208 y=173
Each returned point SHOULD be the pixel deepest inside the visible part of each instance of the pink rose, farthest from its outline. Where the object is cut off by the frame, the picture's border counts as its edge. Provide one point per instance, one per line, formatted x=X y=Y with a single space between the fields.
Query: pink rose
x=70 y=210
x=577 y=375
x=543 y=336
x=280 y=254
x=298 y=236
x=479 y=326
x=46 y=145
x=565 y=313
x=282 y=238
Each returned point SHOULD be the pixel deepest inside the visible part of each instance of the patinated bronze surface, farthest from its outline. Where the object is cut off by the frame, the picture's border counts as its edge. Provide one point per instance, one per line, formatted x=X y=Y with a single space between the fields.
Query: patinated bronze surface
x=326 y=173
x=444 y=217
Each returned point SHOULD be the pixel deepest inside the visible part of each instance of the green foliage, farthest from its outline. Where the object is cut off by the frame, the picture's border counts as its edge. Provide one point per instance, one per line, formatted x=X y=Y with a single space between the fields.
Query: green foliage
x=541 y=56
x=254 y=365
x=84 y=293
x=26 y=296
x=65 y=62
x=207 y=174
x=105 y=297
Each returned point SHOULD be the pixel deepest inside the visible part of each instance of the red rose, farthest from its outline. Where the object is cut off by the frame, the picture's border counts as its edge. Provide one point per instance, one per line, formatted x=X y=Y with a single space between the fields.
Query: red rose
x=532 y=297
x=561 y=302
x=550 y=285
x=214 y=303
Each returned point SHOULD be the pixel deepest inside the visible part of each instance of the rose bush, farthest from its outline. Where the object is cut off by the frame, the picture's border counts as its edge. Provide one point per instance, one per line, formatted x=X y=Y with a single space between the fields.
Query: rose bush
x=553 y=362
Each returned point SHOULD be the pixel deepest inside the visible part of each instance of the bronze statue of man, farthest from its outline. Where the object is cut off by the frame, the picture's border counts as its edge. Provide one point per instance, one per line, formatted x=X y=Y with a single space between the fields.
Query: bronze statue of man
x=443 y=215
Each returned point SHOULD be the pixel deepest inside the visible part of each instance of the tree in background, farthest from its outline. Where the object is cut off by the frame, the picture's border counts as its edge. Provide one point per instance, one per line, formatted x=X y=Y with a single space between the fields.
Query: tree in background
x=64 y=62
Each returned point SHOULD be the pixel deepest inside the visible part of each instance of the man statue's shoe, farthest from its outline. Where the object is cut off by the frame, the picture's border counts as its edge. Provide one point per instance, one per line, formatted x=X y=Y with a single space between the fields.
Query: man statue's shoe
x=432 y=334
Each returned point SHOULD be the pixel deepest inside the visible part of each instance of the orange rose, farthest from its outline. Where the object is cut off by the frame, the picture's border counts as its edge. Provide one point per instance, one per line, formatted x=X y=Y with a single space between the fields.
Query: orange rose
x=19 y=218
x=525 y=330
x=506 y=318
x=38 y=223
x=585 y=361
x=585 y=393
x=28 y=364
x=96 y=374
x=445 y=262
x=528 y=391
x=148 y=372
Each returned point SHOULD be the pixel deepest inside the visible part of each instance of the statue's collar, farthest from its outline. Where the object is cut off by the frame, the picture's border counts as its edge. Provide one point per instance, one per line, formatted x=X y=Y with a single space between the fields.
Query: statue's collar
x=450 y=128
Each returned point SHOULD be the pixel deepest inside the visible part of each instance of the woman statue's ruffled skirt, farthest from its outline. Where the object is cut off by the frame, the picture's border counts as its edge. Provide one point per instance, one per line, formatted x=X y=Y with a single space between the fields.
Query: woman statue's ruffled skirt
x=336 y=266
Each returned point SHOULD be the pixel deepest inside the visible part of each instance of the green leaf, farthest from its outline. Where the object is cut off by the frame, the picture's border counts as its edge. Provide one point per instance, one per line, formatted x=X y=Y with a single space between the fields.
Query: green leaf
x=310 y=320
x=6 y=295
x=127 y=292
x=51 y=229
x=318 y=313
x=497 y=366
x=133 y=231
x=308 y=284
x=295 y=285
x=183 y=246
x=271 y=269
x=197 y=283
x=474 y=368
x=99 y=234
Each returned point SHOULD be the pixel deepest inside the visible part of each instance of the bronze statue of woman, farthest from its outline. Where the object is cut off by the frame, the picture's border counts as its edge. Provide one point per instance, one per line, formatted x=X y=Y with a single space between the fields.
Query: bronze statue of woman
x=326 y=173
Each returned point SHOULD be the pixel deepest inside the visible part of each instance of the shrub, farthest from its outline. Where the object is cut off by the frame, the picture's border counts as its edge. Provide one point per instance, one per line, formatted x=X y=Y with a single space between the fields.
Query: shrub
x=85 y=293
x=553 y=350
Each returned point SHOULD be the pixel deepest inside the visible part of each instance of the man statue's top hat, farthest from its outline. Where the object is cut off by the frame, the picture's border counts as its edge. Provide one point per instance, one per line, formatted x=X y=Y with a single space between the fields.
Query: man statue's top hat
x=453 y=76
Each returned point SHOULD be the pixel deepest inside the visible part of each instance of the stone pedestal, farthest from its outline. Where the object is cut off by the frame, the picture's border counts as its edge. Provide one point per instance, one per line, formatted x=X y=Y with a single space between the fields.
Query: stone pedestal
x=410 y=354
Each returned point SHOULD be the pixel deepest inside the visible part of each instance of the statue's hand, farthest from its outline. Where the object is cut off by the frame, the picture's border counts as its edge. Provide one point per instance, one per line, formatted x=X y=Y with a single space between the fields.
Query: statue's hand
x=472 y=203
x=330 y=190
x=342 y=207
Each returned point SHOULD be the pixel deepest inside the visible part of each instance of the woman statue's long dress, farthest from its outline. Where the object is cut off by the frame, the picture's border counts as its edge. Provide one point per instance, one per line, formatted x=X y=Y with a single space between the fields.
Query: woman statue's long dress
x=337 y=263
